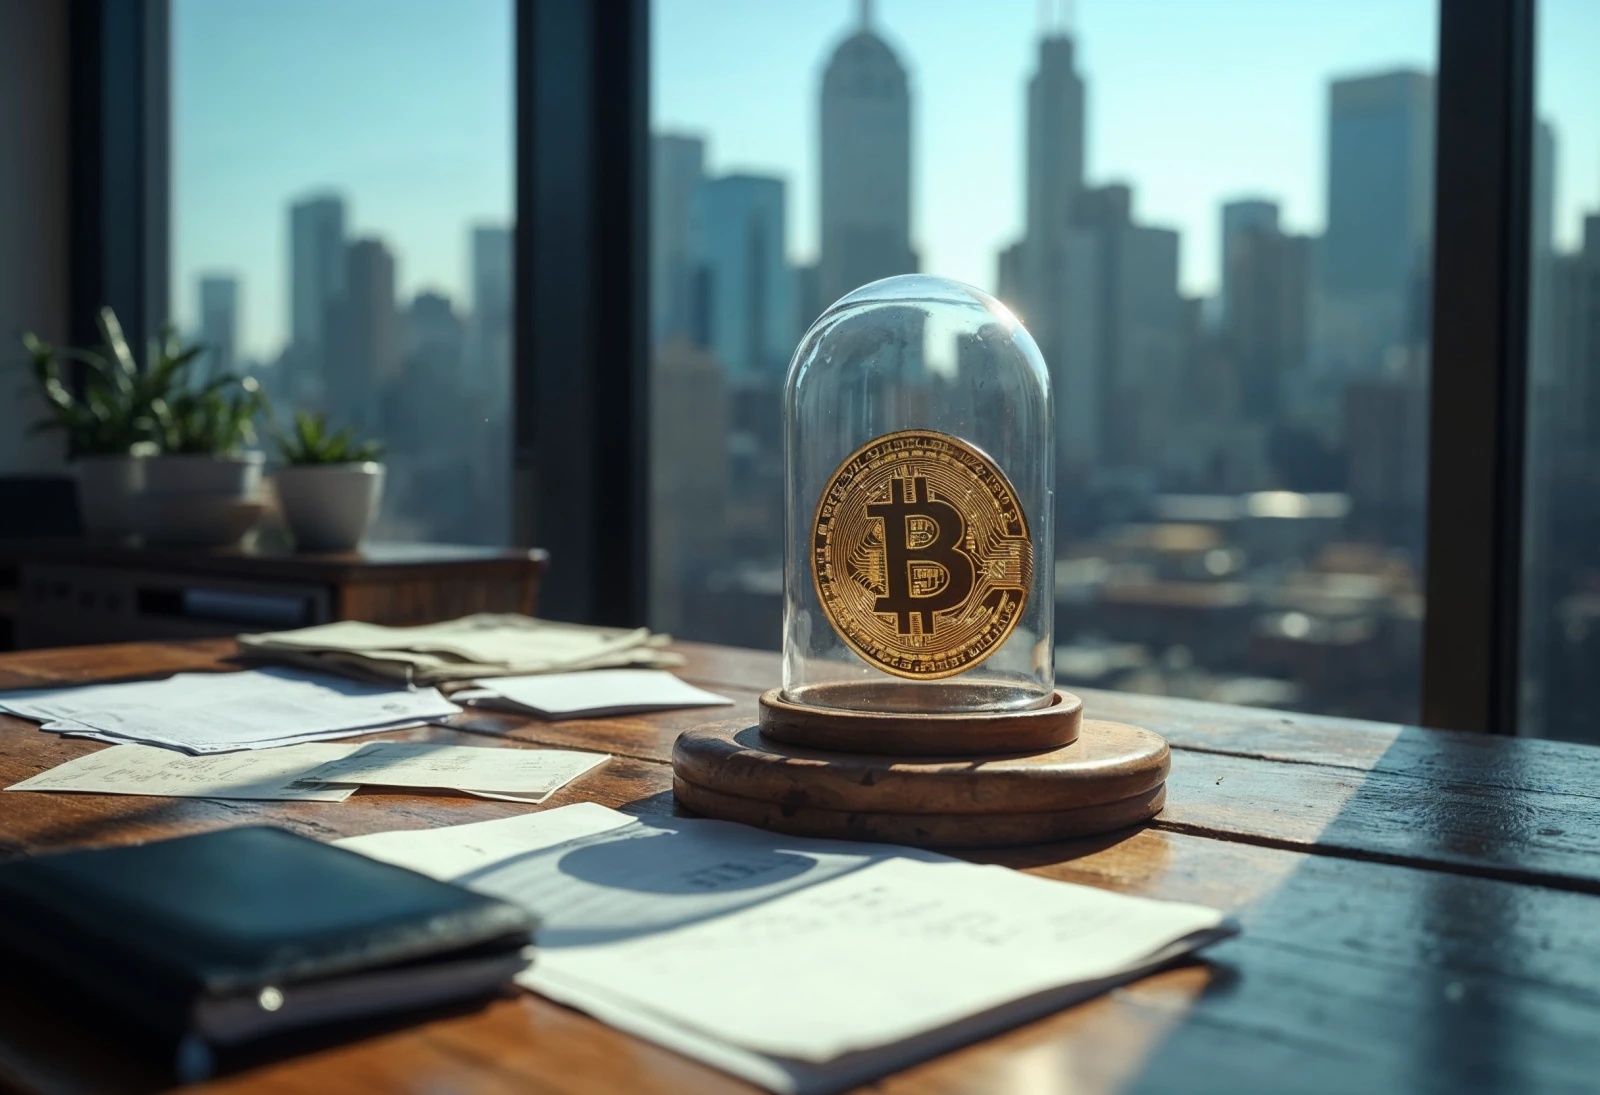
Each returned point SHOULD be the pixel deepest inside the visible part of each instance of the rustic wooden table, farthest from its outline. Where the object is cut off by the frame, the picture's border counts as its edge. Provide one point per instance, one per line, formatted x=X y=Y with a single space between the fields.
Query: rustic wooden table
x=1421 y=911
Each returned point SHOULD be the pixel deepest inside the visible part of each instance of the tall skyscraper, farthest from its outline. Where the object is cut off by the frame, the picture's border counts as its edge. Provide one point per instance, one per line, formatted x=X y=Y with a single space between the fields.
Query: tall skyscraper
x=807 y=298
x=488 y=354
x=689 y=485
x=1123 y=336
x=1542 y=257
x=865 y=165
x=1265 y=299
x=1575 y=341
x=677 y=165
x=1055 y=143
x=1376 y=253
x=1033 y=274
x=316 y=267
x=1098 y=292
x=738 y=244
x=365 y=351
x=434 y=338
x=219 y=321
x=1547 y=450
x=1239 y=217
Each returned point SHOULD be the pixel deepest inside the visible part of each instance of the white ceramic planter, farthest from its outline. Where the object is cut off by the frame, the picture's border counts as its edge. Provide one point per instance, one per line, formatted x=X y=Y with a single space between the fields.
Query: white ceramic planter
x=224 y=476
x=203 y=500
x=329 y=507
x=108 y=490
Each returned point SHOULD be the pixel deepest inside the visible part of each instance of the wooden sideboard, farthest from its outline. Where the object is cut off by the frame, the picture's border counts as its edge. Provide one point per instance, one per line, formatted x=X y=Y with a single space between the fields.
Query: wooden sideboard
x=83 y=591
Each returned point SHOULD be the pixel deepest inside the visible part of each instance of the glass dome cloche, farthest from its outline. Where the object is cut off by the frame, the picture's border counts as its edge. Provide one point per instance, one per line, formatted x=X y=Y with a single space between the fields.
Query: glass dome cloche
x=918 y=566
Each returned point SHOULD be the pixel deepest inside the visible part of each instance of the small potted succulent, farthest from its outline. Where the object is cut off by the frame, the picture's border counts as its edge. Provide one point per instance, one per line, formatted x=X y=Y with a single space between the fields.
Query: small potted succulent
x=110 y=413
x=331 y=484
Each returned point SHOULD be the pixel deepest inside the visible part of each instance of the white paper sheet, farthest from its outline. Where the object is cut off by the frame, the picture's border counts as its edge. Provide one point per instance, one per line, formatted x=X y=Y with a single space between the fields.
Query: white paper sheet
x=802 y=965
x=222 y=712
x=596 y=693
x=143 y=770
x=882 y=954
x=458 y=850
x=520 y=775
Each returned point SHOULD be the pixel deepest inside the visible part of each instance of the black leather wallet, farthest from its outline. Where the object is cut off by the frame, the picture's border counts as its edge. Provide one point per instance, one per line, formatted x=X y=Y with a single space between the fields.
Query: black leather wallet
x=224 y=937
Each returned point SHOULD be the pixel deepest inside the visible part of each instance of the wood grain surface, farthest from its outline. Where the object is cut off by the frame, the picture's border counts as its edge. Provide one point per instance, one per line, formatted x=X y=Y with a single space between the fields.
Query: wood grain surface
x=1109 y=762
x=1419 y=911
x=948 y=832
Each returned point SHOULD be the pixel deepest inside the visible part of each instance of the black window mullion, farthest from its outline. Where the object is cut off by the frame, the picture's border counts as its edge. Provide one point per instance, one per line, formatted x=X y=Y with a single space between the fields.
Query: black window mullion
x=1479 y=364
x=581 y=313
x=119 y=116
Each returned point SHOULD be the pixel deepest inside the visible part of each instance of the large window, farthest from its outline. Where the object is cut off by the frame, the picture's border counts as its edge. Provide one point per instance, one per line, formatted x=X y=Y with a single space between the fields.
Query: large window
x=342 y=214
x=1560 y=688
x=1216 y=221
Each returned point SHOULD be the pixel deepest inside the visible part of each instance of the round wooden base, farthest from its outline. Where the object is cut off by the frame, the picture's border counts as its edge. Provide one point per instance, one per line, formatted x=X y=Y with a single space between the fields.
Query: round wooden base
x=918 y=733
x=1111 y=777
x=925 y=830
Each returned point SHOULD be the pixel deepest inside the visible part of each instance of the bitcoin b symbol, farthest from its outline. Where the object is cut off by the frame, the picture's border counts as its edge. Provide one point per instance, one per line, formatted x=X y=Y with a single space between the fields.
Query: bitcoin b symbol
x=926 y=570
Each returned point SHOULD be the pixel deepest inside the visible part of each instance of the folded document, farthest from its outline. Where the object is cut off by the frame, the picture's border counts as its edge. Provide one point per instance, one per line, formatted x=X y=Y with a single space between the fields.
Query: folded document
x=484 y=645
x=517 y=775
x=805 y=966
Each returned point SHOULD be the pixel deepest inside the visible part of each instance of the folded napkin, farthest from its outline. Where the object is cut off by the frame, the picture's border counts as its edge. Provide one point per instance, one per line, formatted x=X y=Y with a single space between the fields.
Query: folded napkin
x=483 y=645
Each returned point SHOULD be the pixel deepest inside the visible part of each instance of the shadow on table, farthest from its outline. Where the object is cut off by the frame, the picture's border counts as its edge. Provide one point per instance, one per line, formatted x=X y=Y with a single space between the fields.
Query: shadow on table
x=162 y=818
x=1374 y=966
x=658 y=875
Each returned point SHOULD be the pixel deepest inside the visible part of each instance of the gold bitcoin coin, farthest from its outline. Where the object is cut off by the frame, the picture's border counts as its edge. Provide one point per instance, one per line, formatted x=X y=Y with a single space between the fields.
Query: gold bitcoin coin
x=920 y=554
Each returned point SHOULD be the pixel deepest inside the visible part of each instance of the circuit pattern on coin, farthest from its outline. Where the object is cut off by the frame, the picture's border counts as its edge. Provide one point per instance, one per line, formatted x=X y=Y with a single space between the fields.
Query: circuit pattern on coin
x=921 y=555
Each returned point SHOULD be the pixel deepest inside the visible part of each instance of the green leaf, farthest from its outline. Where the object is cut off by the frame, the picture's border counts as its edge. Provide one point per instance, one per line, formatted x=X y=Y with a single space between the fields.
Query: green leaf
x=111 y=329
x=310 y=441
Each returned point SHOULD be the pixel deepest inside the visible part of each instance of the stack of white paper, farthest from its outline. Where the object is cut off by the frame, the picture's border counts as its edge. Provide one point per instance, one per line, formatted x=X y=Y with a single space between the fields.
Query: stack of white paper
x=223 y=712
x=487 y=644
x=590 y=695
x=319 y=773
x=805 y=966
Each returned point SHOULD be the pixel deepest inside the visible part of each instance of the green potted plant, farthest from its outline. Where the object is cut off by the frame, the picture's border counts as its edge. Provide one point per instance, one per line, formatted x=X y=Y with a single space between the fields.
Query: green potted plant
x=204 y=487
x=330 y=485
x=109 y=415
x=202 y=430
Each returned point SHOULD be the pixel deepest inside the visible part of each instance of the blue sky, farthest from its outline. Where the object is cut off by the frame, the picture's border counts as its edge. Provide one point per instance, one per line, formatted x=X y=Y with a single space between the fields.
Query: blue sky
x=405 y=106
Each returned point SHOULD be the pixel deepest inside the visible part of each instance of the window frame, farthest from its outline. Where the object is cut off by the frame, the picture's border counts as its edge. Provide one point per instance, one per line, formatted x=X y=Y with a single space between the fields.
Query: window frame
x=581 y=400
x=580 y=345
x=1477 y=447
x=119 y=112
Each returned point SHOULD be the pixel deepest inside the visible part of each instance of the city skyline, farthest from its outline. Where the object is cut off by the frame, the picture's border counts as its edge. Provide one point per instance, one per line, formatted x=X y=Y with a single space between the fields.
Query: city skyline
x=317 y=221
x=398 y=143
x=1212 y=108
x=1367 y=273
x=1225 y=102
